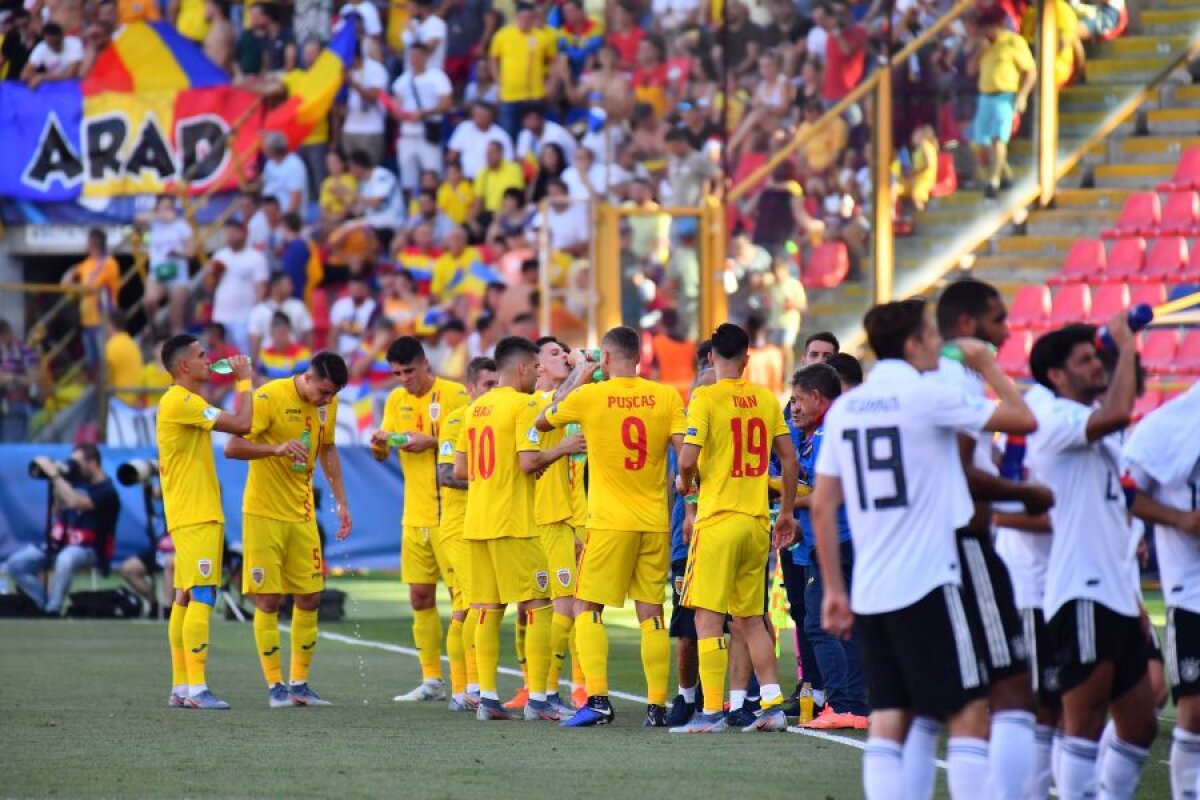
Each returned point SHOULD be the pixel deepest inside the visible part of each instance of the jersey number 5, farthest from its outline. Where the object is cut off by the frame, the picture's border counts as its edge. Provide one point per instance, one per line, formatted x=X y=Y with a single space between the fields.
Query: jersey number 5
x=633 y=436
x=888 y=461
x=749 y=439
x=483 y=452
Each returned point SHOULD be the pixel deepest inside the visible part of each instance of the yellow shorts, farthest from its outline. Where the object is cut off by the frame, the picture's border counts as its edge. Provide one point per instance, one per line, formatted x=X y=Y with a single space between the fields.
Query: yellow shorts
x=558 y=540
x=620 y=564
x=281 y=557
x=727 y=565
x=422 y=557
x=458 y=561
x=198 y=551
x=507 y=571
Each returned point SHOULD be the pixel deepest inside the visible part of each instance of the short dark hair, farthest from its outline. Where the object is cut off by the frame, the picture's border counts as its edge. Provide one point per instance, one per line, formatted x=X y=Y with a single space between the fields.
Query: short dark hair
x=270 y=200
x=52 y=29
x=89 y=451
x=511 y=349
x=730 y=341
x=293 y=222
x=477 y=365
x=819 y=378
x=95 y=235
x=280 y=318
x=530 y=265
x=890 y=325
x=755 y=322
x=484 y=321
x=625 y=341
x=1052 y=350
x=277 y=276
x=702 y=351
x=542 y=341
x=824 y=336
x=967 y=296
x=215 y=327
x=405 y=350
x=173 y=348
x=523 y=317
x=847 y=367
x=676 y=135
x=331 y=367
x=360 y=158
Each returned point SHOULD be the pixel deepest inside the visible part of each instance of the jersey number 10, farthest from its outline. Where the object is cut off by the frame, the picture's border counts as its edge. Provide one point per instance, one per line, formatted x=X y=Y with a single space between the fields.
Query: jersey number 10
x=483 y=452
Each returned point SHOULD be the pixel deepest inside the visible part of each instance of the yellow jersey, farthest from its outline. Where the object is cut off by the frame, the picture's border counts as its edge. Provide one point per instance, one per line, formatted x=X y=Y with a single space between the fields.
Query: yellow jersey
x=190 y=490
x=499 y=495
x=1003 y=63
x=558 y=494
x=524 y=58
x=454 y=501
x=123 y=360
x=406 y=413
x=628 y=423
x=275 y=490
x=734 y=423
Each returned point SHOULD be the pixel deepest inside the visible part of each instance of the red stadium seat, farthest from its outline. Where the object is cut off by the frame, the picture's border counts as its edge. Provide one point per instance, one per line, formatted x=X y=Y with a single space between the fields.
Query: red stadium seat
x=827 y=266
x=1159 y=346
x=1191 y=269
x=1180 y=213
x=1071 y=304
x=1187 y=173
x=1187 y=357
x=1108 y=301
x=1152 y=294
x=1085 y=262
x=1149 y=401
x=1139 y=217
x=947 y=176
x=1125 y=260
x=1165 y=260
x=1030 y=308
x=1014 y=355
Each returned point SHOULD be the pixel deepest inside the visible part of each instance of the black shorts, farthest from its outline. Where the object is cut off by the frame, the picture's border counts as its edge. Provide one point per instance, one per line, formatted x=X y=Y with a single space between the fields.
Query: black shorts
x=149 y=559
x=924 y=658
x=991 y=608
x=683 y=620
x=1182 y=660
x=1041 y=666
x=1085 y=633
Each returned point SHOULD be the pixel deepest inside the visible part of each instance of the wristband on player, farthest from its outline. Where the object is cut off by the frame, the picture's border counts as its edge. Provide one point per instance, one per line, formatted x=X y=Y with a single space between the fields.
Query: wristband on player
x=243 y=385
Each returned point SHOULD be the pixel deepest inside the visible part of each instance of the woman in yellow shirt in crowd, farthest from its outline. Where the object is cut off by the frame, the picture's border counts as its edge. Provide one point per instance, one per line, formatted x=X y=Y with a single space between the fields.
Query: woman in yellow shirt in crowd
x=338 y=190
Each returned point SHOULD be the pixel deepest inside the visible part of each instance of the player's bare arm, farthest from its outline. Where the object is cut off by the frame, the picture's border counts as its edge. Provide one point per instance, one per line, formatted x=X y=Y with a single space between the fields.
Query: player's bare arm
x=1116 y=405
x=445 y=476
x=1146 y=508
x=1029 y=523
x=537 y=460
x=835 y=607
x=1011 y=414
x=789 y=468
x=460 y=467
x=331 y=465
x=581 y=368
x=242 y=449
x=1037 y=498
x=238 y=423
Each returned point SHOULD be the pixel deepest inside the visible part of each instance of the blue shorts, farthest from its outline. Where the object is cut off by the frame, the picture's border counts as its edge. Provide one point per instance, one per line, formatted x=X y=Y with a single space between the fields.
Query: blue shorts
x=994 y=118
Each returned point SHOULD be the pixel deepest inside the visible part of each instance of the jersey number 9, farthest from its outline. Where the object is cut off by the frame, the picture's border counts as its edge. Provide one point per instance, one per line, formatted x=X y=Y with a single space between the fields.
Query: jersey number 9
x=633 y=436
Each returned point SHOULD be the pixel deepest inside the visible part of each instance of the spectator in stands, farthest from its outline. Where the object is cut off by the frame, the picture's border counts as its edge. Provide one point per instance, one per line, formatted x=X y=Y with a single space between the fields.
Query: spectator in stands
x=169 y=248
x=155 y=378
x=585 y=179
x=20 y=38
x=674 y=354
x=280 y=51
x=482 y=88
x=220 y=42
x=579 y=37
x=449 y=356
x=379 y=201
x=280 y=299
x=96 y=39
x=339 y=190
x=845 y=52
x=86 y=506
x=695 y=124
x=469 y=24
x=916 y=168
x=779 y=214
x=566 y=221
x=521 y=55
x=689 y=174
x=241 y=275
x=251 y=53
x=765 y=364
x=456 y=194
x=825 y=144
x=284 y=175
x=368 y=361
x=469 y=143
x=483 y=341
x=498 y=175
x=551 y=164
x=427 y=29
x=1007 y=74
x=650 y=234
x=537 y=133
x=99 y=278
x=122 y=362
x=312 y=20
x=787 y=302
x=649 y=79
x=743 y=40
x=682 y=281
x=282 y=356
x=57 y=57
x=137 y=570
x=264 y=230
x=297 y=259
x=18 y=385
x=351 y=315
x=422 y=95
x=216 y=347
x=364 y=124
x=1098 y=18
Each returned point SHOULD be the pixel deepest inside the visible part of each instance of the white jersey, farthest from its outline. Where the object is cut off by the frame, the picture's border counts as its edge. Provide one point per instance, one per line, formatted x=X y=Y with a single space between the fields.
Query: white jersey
x=956 y=374
x=1091 y=550
x=1178 y=552
x=893 y=442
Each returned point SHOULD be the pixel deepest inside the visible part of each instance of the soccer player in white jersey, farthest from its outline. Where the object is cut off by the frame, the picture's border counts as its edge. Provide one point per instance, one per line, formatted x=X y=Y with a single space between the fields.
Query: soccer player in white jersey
x=891 y=455
x=1163 y=458
x=1093 y=613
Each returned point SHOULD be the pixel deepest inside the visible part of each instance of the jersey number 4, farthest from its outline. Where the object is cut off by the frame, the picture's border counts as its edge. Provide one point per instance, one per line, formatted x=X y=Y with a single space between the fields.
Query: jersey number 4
x=482 y=444
x=873 y=441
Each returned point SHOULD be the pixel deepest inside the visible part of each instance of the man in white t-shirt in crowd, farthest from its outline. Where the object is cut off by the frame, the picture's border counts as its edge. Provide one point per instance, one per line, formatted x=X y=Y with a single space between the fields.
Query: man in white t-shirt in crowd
x=537 y=132
x=428 y=29
x=284 y=176
x=891 y=455
x=55 y=58
x=567 y=221
x=378 y=194
x=585 y=179
x=242 y=275
x=423 y=95
x=363 y=128
x=351 y=315
x=169 y=247
x=279 y=299
x=370 y=25
x=264 y=231
x=470 y=139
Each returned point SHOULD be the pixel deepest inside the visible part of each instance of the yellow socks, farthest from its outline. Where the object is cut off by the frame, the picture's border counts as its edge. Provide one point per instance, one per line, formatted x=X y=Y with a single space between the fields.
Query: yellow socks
x=304 y=643
x=656 y=659
x=560 y=635
x=427 y=636
x=487 y=650
x=468 y=637
x=593 y=652
x=195 y=642
x=266 y=640
x=520 y=643
x=714 y=663
x=458 y=657
x=576 y=664
x=179 y=676
x=539 y=621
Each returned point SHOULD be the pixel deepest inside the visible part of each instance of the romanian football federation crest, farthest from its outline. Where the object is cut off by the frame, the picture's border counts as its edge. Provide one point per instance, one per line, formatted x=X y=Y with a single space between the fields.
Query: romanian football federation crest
x=435 y=411
x=564 y=577
x=322 y=413
x=257 y=575
x=541 y=579
x=204 y=565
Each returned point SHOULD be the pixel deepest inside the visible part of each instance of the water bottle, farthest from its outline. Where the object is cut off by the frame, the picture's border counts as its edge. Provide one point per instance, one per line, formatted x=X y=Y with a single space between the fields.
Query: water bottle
x=574 y=429
x=952 y=351
x=301 y=465
x=398 y=439
x=1012 y=467
x=1139 y=317
x=221 y=367
x=806 y=702
x=593 y=355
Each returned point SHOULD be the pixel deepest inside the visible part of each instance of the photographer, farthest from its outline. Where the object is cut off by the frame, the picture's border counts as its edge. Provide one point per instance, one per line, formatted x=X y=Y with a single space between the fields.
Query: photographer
x=85 y=508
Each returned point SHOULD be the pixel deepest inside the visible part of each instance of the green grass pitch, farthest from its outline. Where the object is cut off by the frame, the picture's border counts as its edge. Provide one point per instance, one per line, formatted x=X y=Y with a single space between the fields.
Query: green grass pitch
x=84 y=715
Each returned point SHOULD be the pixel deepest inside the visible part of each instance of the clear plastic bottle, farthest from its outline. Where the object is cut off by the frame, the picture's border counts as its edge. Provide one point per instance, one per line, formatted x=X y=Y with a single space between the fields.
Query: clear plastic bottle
x=221 y=367
x=574 y=429
x=806 y=702
x=301 y=465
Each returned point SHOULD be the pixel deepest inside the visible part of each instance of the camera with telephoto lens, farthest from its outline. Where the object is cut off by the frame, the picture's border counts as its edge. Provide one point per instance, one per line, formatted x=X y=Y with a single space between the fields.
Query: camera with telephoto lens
x=68 y=469
x=141 y=470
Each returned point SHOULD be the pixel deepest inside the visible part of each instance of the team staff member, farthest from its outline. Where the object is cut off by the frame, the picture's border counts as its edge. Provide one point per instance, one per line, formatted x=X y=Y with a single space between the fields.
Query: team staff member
x=460 y=640
x=293 y=426
x=630 y=423
x=416 y=409
x=507 y=562
x=192 y=506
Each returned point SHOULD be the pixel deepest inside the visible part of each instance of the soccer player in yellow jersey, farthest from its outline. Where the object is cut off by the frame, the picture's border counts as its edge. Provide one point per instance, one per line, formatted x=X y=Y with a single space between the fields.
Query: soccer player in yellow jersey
x=629 y=423
x=192 y=506
x=416 y=409
x=733 y=425
x=507 y=563
x=293 y=427
x=460 y=640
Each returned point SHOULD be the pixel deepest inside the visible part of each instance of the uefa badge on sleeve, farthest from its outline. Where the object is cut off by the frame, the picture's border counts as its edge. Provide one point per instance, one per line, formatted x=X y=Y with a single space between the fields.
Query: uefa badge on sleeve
x=204 y=565
x=541 y=579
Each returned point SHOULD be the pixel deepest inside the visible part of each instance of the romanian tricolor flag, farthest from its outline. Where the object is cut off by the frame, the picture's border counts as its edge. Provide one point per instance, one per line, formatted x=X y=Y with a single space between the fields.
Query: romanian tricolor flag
x=311 y=91
x=357 y=400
